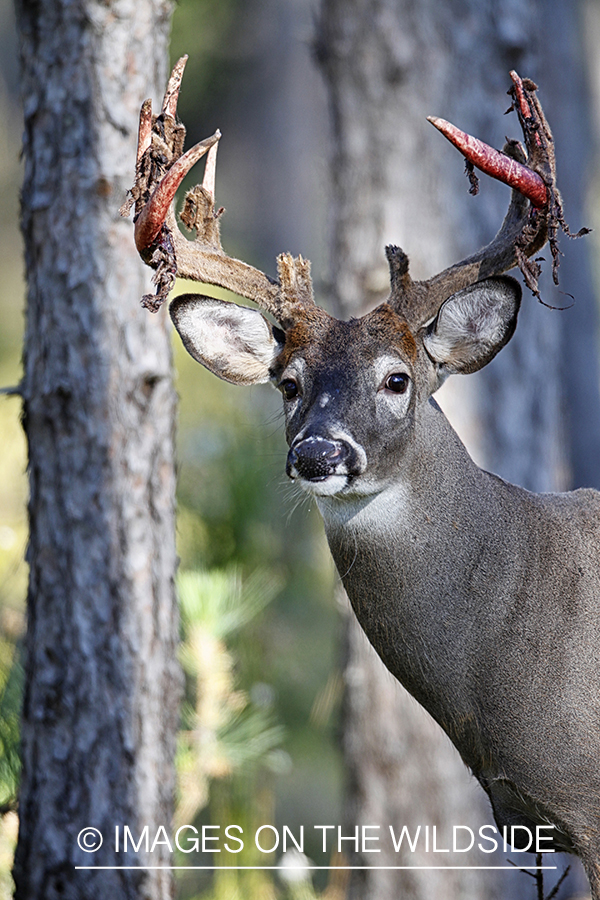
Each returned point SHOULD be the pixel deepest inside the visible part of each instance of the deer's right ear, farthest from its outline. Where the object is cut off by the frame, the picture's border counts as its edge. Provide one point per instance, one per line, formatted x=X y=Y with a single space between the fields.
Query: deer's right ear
x=234 y=342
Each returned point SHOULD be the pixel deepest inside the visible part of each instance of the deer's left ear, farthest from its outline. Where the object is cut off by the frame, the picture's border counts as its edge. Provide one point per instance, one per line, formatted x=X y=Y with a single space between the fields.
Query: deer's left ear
x=234 y=342
x=473 y=325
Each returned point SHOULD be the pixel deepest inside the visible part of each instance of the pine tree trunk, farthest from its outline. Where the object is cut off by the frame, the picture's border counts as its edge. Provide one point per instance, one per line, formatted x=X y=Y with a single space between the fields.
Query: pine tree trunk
x=394 y=180
x=102 y=685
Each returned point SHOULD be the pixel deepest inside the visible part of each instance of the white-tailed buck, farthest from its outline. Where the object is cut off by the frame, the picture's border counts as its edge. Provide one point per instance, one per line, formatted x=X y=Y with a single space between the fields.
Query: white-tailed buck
x=481 y=598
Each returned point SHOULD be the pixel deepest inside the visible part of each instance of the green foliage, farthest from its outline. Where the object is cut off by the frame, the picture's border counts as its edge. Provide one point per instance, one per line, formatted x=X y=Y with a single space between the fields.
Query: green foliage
x=11 y=689
x=219 y=603
x=224 y=733
x=228 y=741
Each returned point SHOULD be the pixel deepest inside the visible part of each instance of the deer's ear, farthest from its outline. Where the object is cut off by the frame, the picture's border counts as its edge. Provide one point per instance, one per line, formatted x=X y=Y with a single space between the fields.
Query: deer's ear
x=473 y=325
x=234 y=342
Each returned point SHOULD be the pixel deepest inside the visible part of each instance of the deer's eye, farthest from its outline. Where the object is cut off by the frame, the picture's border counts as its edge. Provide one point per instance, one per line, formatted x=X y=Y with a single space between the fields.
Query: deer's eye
x=397 y=383
x=289 y=389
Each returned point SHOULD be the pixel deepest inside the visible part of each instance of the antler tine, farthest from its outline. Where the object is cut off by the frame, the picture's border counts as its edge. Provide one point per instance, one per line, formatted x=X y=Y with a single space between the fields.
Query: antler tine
x=534 y=214
x=169 y=104
x=495 y=163
x=144 y=130
x=159 y=239
x=152 y=217
x=210 y=170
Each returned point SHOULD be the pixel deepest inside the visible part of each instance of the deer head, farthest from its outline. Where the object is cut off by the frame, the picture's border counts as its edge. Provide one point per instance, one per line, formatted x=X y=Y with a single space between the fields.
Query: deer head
x=351 y=390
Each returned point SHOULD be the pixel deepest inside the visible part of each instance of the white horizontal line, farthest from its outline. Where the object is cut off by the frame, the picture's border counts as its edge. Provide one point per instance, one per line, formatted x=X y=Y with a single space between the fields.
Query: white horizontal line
x=327 y=868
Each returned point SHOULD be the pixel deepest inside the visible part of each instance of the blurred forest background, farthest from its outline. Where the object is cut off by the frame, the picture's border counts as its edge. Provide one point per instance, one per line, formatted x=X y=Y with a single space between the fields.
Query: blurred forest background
x=269 y=748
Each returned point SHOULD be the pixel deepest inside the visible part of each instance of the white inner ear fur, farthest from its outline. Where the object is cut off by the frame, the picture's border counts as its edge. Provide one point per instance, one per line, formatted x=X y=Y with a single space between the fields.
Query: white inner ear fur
x=234 y=342
x=473 y=325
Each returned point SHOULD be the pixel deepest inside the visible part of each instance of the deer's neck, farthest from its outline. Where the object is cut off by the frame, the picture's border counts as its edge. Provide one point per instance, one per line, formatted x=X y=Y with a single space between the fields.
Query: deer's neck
x=420 y=561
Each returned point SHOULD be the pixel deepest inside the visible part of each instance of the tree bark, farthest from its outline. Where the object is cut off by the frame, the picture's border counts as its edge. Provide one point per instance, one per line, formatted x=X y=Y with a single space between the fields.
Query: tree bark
x=102 y=684
x=387 y=65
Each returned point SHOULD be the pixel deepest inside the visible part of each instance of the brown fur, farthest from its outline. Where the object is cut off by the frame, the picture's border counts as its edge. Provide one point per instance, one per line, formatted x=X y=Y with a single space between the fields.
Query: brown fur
x=381 y=329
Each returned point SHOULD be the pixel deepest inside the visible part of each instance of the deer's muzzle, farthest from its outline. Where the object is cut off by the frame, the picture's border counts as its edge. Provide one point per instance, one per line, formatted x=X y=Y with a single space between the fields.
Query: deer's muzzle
x=316 y=458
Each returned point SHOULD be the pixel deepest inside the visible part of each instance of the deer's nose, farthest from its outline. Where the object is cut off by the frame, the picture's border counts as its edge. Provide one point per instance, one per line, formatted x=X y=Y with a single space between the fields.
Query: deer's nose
x=316 y=458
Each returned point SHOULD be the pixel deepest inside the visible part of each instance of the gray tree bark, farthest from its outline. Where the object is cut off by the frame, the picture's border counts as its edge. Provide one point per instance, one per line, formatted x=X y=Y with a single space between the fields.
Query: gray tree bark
x=102 y=685
x=388 y=64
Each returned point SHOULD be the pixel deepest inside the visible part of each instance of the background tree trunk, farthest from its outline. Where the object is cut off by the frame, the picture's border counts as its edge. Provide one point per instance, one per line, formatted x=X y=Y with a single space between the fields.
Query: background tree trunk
x=102 y=685
x=387 y=65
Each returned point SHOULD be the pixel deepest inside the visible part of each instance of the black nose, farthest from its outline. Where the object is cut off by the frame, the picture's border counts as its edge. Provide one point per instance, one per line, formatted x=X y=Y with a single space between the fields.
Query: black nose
x=315 y=458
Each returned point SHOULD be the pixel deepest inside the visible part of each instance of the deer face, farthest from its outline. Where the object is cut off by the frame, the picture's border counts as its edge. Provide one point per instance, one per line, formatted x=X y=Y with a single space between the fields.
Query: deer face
x=352 y=391
x=348 y=392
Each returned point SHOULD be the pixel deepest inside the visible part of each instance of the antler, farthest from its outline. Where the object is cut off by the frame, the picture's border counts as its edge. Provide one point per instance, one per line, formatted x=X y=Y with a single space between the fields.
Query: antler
x=534 y=215
x=161 y=167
